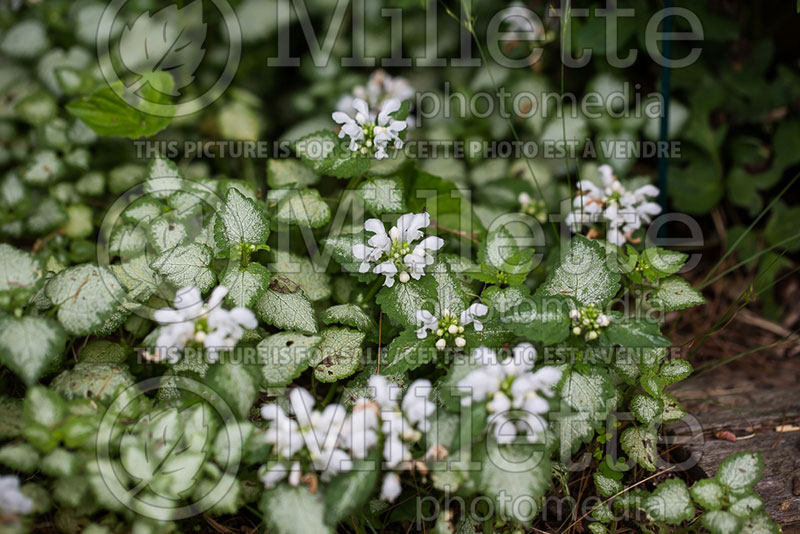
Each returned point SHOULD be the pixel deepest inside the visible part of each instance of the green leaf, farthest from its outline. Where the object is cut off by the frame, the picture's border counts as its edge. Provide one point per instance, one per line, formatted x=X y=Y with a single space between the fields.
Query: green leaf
x=450 y=294
x=402 y=301
x=314 y=281
x=382 y=195
x=285 y=306
x=109 y=115
x=658 y=263
x=138 y=277
x=18 y=269
x=583 y=273
x=514 y=474
x=163 y=178
x=746 y=506
x=92 y=380
x=285 y=356
x=86 y=295
x=348 y=491
x=673 y=411
x=639 y=443
x=43 y=407
x=634 y=332
x=236 y=385
x=339 y=354
x=44 y=167
x=606 y=486
x=349 y=315
x=646 y=409
x=165 y=450
x=327 y=154
x=721 y=522
x=675 y=371
x=285 y=173
x=670 y=502
x=102 y=352
x=586 y=399
x=30 y=346
x=245 y=285
x=303 y=207
x=59 y=463
x=501 y=251
x=186 y=265
x=290 y=510
x=165 y=233
x=407 y=352
x=240 y=220
x=708 y=494
x=760 y=523
x=675 y=293
x=19 y=457
x=542 y=319
x=741 y=471
x=340 y=248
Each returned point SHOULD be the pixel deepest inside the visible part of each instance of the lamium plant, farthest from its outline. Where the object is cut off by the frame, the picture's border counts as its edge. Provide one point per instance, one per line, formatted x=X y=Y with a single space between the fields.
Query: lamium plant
x=344 y=336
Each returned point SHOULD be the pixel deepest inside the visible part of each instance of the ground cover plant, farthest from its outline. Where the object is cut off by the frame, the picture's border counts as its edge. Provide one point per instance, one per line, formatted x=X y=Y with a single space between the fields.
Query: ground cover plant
x=243 y=293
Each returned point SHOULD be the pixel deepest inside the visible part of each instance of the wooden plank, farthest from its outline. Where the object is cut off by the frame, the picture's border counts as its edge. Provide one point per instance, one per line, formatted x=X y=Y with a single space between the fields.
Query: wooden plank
x=761 y=419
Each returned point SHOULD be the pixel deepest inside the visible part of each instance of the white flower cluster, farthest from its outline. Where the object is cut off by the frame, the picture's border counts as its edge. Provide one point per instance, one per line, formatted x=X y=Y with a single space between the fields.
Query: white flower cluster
x=379 y=88
x=329 y=440
x=624 y=211
x=396 y=252
x=516 y=396
x=401 y=422
x=12 y=501
x=208 y=324
x=367 y=134
x=312 y=435
x=589 y=320
x=449 y=327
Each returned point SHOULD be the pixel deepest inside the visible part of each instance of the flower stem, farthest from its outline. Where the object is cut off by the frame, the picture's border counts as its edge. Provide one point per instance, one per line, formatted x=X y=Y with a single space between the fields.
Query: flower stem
x=376 y=285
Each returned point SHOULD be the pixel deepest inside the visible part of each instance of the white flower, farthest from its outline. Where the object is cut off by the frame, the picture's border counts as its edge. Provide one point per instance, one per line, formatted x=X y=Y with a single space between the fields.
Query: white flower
x=367 y=133
x=360 y=432
x=402 y=422
x=391 y=488
x=204 y=323
x=448 y=326
x=12 y=501
x=623 y=211
x=319 y=433
x=416 y=406
x=398 y=251
x=513 y=393
x=379 y=88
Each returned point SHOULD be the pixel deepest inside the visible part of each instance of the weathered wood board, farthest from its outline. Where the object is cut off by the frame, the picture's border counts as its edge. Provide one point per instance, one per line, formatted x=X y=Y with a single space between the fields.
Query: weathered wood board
x=765 y=419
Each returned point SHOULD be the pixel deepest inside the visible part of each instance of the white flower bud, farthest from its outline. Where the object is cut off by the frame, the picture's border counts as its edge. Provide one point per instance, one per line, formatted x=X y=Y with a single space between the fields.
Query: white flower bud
x=404 y=277
x=440 y=332
x=592 y=334
x=441 y=344
x=574 y=313
x=603 y=320
x=200 y=337
x=460 y=329
x=576 y=330
x=460 y=342
x=453 y=329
